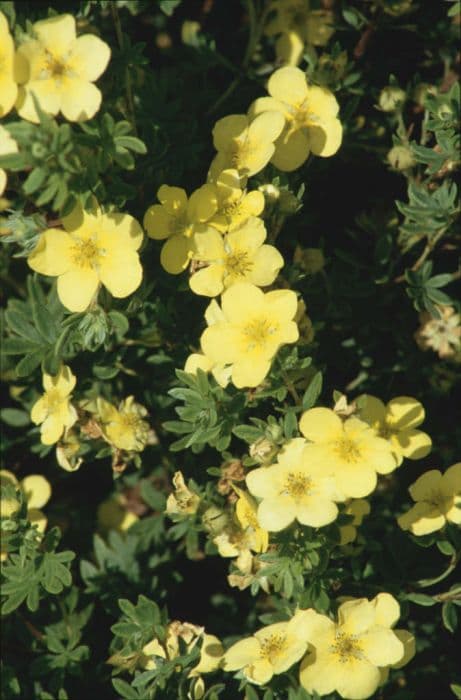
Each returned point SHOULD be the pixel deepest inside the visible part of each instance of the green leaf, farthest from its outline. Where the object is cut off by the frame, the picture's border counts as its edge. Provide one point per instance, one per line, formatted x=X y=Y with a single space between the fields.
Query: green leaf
x=456 y=689
x=14 y=417
x=450 y=616
x=313 y=391
x=420 y=599
x=20 y=324
x=28 y=364
x=34 y=180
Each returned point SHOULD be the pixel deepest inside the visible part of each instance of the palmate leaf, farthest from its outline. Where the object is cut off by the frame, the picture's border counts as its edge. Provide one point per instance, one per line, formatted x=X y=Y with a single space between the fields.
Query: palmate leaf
x=33 y=573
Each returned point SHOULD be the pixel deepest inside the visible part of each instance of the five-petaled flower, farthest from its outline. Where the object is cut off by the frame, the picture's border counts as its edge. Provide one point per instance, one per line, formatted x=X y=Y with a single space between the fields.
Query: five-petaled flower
x=271 y=650
x=176 y=219
x=245 y=144
x=311 y=118
x=54 y=410
x=437 y=499
x=291 y=489
x=240 y=256
x=8 y=86
x=348 y=656
x=59 y=69
x=397 y=422
x=95 y=248
x=349 y=450
x=254 y=326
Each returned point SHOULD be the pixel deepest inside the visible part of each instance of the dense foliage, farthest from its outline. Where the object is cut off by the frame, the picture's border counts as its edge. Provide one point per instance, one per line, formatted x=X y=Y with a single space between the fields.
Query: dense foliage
x=231 y=347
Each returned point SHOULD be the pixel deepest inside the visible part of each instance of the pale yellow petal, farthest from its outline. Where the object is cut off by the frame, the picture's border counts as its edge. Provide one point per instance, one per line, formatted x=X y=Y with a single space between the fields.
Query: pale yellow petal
x=451 y=480
x=220 y=343
x=121 y=272
x=267 y=104
x=56 y=33
x=37 y=490
x=38 y=518
x=64 y=381
x=123 y=226
x=291 y=151
x=52 y=254
x=356 y=481
x=316 y=673
x=372 y=410
x=80 y=99
x=320 y=425
x=325 y=138
x=289 y=48
x=316 y=511
x=89 y=57
x=248 y=237
x=289 y=85
x=275 y=514
x=77 y=287
x=266 y=265
x=249 y=372
x=47 y=95
x=39 y=411
x=158 y=222
x=176 y=254
x=382 y=646
x=253 y=203
x=422 y=519
x=209 y=245
x=404 y=412
x=51 y=430
x=411 y=443
x=282 y=304
x=202 y=204
x=387 y=609
x=356 y=616
x=227 y=129
x=427 y=483
x=240 y=300
x=358 y=680
x=322 y=103
x=197 y=361
x=409 y=645
x=266 y=127
x=260 y=671
x=265 y=482
x=174 y=199
x=240 y=654
x=208 y=281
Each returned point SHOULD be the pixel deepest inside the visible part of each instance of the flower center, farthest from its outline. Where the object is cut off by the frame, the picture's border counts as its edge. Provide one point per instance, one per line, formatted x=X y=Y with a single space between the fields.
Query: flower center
x=241 y=151
x=86 y=253
x=53 y=400
x=439 y=500
x=347 y=647
x=297 y=485
x=347 y=450
x=271 y=647
x=237 y=263
x=257 y=333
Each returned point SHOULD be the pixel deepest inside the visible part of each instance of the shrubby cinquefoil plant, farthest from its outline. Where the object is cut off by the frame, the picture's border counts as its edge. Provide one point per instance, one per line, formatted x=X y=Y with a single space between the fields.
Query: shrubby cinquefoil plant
x=231 y=347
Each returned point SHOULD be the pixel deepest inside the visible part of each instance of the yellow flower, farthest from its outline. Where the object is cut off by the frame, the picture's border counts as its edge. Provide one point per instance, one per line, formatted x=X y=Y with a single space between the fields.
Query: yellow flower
x=358 y=508
x=7 y=145
x=67 y=450
x=195 y=361
x=270 y=651
x=182 y=501
x=437 y=499
x=234 y=205
x=349 y=450
x=443 y=335
x=177 y=218
x=37 y=493
x=292 y=490
x=211 y=654
x=59 y=70
x=113 y=515
x=310 y=112
x=346 y=657
x=244 y=144
x=246 y=514
x=255 y=325
x=124 y=427
x=95 y=248
x=54 y=410
x=240 y=256
x=396 y=422
x=8 y=87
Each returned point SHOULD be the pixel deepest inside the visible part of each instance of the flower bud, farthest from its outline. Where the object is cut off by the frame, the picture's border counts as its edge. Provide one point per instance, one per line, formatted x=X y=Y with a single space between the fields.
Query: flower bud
x=311 y=260
x=400 y=158
x=391 y=98
x=214 y=520
x=262 y=450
